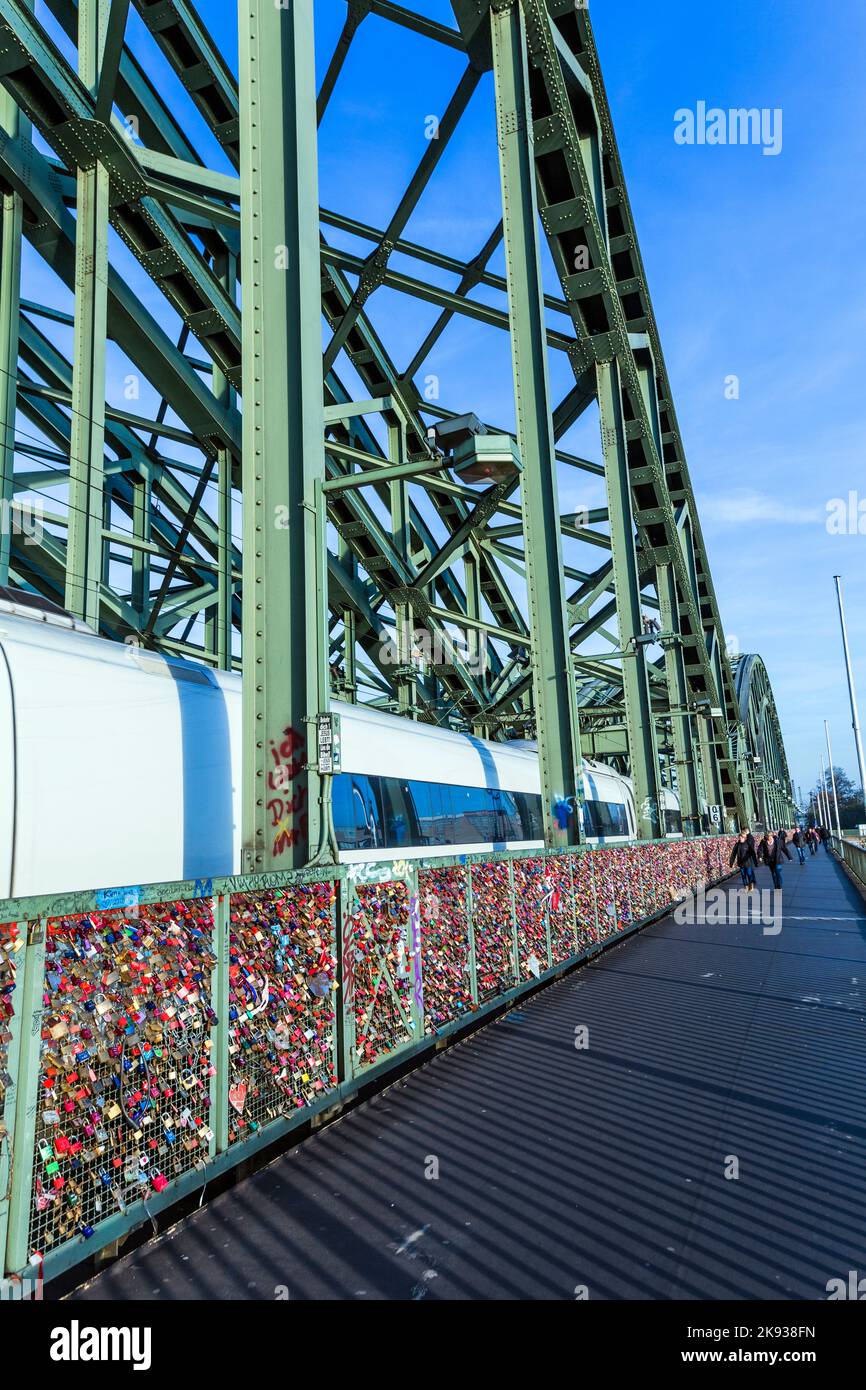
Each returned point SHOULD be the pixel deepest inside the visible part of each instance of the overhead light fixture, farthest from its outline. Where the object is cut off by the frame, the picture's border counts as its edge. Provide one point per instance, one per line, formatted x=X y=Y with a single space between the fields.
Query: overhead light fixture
x=476 y=455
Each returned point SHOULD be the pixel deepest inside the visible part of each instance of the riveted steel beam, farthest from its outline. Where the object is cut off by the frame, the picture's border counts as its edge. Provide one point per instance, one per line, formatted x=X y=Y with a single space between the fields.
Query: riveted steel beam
x=553 y=681
x=285 y=649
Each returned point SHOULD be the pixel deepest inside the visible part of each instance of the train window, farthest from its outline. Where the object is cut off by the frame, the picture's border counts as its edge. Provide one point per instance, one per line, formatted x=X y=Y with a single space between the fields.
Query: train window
x=342 y=807
x=399 y=812
x=602 y=819
x=506 y=821
x=477 y=816
x=358 y=820
x=529 y=811
x=387 y=813
x=433 y=813
x=673 y=823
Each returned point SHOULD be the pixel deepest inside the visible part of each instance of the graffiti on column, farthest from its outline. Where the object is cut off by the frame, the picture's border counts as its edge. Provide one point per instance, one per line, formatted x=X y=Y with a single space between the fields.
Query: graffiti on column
x=289 y=819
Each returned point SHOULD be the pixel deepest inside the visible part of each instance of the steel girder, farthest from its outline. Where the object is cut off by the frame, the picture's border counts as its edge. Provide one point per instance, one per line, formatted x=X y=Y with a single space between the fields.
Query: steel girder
x=145 y=543
x=761 y=749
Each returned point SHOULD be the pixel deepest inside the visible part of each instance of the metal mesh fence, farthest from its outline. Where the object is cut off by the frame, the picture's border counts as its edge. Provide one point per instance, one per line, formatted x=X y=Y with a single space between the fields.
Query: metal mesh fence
x=446 y=952
x=561 y=908
x=612 y=890
x=383 y=983
x=282 y=1032
x=493 y=924
x=531 y=903
x=130 y=1094
x=11 y=942
x=124 y=1093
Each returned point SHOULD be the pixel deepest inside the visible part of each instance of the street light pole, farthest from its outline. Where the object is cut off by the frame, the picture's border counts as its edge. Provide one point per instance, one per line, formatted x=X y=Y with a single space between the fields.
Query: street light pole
x=833 y=779
x=855 y=722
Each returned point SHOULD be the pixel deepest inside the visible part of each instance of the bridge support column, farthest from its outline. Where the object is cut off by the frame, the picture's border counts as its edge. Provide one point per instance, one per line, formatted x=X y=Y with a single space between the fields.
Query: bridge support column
x=12 y=211
x=221 y=611
x=710 y=765
x=552 y=670
x=638 y=707
x=398 y=493
x=285 y=648
x=10 y=283
x=744 y=774
x=678 y=694
x=84 y=573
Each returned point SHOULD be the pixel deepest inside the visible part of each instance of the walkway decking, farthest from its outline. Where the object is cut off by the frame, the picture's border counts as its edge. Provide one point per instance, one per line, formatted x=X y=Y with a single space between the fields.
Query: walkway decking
x=602 y=1168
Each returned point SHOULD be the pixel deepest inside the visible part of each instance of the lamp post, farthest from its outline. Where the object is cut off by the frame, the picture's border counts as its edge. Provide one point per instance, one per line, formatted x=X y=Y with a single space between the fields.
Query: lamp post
x=825 y=807
x=852 y=694
x=833 y=779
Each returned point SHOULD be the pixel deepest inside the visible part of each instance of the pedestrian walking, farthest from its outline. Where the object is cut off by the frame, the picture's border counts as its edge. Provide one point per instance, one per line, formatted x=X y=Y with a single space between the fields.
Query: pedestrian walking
x=797 y=842
x=770 y=850
x=743 y=855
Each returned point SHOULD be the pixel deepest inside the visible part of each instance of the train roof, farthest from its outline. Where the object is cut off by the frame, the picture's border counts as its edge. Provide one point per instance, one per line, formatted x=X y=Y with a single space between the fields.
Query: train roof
x=373 y=740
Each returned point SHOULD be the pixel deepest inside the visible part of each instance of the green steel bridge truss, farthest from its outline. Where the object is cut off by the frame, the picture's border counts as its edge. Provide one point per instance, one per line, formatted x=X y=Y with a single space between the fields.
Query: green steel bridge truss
x=371 y=568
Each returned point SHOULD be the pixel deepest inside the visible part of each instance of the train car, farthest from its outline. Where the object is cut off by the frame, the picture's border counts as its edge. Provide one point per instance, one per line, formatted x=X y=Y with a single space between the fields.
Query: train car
x=120 y=766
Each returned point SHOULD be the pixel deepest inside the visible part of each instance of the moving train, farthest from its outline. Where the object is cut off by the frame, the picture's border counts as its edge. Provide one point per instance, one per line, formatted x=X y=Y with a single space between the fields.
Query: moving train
x=119 y=766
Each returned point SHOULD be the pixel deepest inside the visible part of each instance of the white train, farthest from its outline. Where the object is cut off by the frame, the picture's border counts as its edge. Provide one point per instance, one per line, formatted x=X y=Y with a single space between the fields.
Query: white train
x=119 y=767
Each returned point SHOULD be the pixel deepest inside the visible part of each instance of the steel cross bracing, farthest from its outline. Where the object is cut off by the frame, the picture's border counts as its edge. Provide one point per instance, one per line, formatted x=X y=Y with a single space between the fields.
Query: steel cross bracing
x=143 y=500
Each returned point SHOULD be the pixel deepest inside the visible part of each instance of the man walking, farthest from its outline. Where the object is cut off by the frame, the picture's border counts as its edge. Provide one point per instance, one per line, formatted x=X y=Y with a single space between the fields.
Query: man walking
x=743 y=855
x=797 y=842
x=771 y=849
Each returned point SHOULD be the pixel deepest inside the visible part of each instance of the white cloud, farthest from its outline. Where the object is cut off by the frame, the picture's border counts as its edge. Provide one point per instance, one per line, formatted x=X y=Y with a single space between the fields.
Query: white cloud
x=746 y=506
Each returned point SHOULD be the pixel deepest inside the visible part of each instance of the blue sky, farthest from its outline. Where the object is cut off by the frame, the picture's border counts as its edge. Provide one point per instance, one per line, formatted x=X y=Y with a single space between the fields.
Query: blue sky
x=754 y=264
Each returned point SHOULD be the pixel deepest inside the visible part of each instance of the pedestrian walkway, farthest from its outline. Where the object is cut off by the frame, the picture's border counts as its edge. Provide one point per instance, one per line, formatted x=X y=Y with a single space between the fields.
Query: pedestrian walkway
x=518 y=1165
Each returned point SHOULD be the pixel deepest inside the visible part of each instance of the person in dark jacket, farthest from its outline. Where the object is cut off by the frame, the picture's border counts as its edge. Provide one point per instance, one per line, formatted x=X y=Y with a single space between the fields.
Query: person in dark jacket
x=824 y=837
x=797 y=842
x=743 y=855
x=771 y=849
x=813 y=840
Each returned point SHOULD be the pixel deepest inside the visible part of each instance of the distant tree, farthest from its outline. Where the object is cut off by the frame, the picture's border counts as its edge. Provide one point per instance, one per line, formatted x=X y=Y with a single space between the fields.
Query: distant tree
x=852 y=811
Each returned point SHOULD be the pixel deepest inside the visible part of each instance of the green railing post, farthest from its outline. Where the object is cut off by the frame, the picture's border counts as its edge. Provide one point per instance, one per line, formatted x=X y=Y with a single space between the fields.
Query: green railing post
x=515 y=948
x=220 y=1082
x=345 y=951
x=642 y=881
x=7 y=1118
x=547 y=902
x=574 y=929
x=414 y=947
x=27 y=1098
x=336 y=994
x=470 y=923
x=594 y=893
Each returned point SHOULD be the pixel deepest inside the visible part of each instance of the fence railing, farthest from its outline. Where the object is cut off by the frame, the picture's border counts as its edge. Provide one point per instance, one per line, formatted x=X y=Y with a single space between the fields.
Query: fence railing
x=152 y=1038
x=852 y=853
